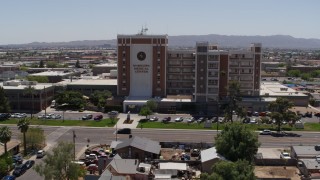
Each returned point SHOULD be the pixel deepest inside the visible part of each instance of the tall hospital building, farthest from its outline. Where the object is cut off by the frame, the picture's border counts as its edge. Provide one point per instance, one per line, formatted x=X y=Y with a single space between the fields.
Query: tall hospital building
x=148 y=69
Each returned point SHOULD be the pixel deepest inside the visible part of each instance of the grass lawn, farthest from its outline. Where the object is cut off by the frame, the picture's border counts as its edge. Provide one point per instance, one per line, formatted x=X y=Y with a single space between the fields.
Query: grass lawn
x=196 y=126
x=59 y=122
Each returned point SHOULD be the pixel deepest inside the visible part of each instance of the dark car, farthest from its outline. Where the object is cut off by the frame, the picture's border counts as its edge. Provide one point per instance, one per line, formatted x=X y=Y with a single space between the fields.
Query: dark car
x=98 y=117
x=166 y=119
x=9 y=177
x=29 y=163
x=17 y=159
x=87 y=117
x=19 y=170
x=124 y=131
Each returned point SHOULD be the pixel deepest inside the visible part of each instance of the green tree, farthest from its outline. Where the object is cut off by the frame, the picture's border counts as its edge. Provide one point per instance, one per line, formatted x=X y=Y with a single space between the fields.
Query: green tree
x=280 y=111
x=239 y=170
x=35 y=138
x=306 y=76
x=52 y=64
x=5 y=162
x=77 y=65
x=294 y=73
x=58 y=164
x=39 y=79
x=4 y=103
x=234 y=98
x=41 y=64
x=312 y=101
x=99 y=98
x=72 y=99
x=145 y=111
x=237 y=142
x=5 y=136
x=152 y=105
x=23 y=126
x=30 y=90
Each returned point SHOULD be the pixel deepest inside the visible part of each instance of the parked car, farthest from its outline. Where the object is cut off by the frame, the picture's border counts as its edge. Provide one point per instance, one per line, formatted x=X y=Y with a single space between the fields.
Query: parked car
x=265 y=132
x=253 y=121
x=98 y=117
x=124 y=131
x=285 y=155
x=29 y=163
x=255 y=113
x=41 y=153
x=4 y=116
x=87 y=117
x=178 y=119
x=195 y=153
x=190 y=120
x=92 y=167
x=200 y=120
x=19 y=170
x=166 y=119
x=41 y=116
x=55 y=116
x=9 y=177
x=154 y=119
x=113 y=113
x=17 y=159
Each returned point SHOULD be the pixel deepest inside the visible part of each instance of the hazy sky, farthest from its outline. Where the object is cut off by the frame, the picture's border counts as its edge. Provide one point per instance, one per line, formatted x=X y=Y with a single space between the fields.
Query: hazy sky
x=24 y=21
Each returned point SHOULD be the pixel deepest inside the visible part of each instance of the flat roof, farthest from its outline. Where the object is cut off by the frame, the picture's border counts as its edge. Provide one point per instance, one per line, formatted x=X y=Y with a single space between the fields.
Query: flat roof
x=51 y=73
x=311 y=163
x=94 y=82
x=305 y=151
x=141 y=36
x=171 y=165
x=106 y=65
x=38 y=86
x=277 y=89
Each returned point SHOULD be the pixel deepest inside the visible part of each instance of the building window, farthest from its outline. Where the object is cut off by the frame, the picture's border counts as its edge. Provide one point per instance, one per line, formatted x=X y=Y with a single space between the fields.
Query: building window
x=123 y=84
x=158 y=60
x=158 y=55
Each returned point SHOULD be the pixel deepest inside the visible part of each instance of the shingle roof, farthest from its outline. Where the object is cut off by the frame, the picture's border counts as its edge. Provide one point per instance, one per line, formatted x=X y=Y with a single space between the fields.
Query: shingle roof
x=140 y=143
x=125 y=166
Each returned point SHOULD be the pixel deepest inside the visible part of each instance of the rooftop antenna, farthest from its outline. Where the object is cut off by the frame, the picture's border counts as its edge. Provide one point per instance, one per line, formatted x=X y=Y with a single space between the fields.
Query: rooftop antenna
x=143 y=31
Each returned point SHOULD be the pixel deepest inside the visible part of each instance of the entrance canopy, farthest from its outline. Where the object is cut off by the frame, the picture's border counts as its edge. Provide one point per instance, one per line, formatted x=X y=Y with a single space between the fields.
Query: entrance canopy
x=134 y=103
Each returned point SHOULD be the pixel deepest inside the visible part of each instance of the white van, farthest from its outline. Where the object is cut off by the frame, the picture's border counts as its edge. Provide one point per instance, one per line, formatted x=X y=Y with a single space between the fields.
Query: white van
x=53 y=104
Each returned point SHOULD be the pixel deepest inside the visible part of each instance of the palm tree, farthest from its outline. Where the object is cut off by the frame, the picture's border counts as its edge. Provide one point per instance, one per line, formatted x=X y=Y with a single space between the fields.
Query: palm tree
x=23 y=125
x=5 y=136
x=30 y=91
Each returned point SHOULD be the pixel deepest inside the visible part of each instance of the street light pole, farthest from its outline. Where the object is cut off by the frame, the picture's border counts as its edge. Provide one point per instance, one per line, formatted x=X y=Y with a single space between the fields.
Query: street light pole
x=74 y=145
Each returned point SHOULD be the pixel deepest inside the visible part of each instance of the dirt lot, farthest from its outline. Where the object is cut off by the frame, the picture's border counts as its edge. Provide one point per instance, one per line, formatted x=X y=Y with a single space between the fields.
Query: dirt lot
x=277 y=172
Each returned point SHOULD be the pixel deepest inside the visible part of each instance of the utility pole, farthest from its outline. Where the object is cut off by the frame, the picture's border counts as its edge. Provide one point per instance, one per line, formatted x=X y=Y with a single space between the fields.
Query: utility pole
x=45 y=101
x=74 y=145
x=116 y=132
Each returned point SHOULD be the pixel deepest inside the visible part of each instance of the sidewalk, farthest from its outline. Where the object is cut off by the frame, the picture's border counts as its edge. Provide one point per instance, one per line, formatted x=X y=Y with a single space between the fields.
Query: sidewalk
x=122 y=117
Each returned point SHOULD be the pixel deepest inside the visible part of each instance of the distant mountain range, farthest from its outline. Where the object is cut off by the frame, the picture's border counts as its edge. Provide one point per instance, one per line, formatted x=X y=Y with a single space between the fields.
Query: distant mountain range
x=274 y=41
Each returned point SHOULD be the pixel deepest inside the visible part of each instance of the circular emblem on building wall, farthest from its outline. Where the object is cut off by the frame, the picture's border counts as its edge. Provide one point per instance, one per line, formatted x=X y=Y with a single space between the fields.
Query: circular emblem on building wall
x=141 y=56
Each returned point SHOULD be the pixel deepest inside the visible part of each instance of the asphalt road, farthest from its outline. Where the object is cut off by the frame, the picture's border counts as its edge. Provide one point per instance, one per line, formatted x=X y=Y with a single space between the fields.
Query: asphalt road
x=106 y=135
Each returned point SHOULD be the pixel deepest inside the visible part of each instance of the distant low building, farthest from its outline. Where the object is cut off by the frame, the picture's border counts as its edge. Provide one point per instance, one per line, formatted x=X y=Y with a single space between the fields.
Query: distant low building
x=103 y=68
x=56 y=76
x=208 y=158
